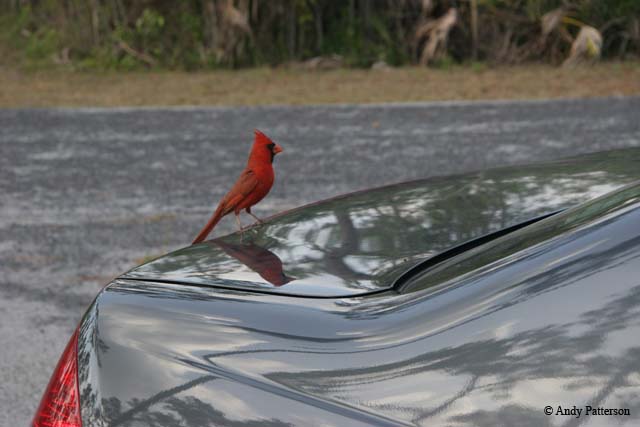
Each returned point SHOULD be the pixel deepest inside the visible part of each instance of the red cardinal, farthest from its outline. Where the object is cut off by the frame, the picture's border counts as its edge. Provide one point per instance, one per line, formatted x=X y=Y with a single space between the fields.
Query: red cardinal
x=254 y=183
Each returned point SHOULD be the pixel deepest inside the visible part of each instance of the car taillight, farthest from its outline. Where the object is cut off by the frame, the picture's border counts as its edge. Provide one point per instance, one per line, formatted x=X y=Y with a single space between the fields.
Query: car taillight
x=60 y=405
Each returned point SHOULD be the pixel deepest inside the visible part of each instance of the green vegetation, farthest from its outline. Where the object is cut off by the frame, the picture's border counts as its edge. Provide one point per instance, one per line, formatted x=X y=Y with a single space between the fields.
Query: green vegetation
x=206 y=34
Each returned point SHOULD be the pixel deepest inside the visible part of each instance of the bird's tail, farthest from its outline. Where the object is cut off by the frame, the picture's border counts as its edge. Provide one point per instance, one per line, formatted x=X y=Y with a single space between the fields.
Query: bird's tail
x=217 y=215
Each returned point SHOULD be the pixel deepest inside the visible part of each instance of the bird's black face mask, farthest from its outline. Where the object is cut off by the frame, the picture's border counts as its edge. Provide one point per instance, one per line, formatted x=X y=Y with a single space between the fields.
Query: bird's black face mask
x=273 y=150
x=271 y=147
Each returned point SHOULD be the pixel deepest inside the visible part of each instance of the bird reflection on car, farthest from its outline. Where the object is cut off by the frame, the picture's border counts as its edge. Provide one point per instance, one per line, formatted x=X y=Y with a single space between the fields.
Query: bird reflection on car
x=261 y=260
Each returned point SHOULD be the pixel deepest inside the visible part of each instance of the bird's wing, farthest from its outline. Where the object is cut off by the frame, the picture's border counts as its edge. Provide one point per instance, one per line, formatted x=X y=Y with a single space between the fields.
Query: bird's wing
x=246 y=183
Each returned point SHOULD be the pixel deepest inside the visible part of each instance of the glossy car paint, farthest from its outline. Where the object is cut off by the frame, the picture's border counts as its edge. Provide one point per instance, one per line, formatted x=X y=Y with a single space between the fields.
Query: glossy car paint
x=360 y=243
x=547 y=315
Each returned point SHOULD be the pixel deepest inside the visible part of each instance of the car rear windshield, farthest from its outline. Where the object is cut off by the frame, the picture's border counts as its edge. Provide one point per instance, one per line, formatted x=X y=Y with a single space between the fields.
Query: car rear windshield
x=474 y=258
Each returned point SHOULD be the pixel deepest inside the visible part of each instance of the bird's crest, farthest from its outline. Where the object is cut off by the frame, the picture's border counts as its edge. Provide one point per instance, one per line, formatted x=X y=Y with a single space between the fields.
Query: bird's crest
x=261 y=137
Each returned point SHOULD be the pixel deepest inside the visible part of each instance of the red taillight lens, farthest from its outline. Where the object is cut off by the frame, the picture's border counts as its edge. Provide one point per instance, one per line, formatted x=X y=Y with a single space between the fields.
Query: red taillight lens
x=60 y=405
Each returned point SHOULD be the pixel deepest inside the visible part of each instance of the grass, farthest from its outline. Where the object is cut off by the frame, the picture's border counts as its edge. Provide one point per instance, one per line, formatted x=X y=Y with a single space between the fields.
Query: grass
x=283 y=86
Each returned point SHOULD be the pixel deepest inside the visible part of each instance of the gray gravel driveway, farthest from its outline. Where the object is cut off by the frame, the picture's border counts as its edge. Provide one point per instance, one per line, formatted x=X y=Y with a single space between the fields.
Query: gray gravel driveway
x=86 y=194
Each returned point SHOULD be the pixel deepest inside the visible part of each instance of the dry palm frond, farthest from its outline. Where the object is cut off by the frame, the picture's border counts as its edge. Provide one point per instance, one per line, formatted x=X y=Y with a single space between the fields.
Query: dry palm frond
x=552 y=21
x=436 y=34
x=426 y=7
x=230 y=29
x=586 y=47
x=235 y=19
x=140 y=56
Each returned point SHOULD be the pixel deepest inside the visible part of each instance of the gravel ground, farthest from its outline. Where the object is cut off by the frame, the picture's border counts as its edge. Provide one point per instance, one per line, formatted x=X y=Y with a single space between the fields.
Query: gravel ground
x=88 y=193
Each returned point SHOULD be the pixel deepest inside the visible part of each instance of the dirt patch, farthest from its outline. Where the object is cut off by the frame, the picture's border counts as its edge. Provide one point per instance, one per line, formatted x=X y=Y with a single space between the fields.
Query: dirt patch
x=282 y=86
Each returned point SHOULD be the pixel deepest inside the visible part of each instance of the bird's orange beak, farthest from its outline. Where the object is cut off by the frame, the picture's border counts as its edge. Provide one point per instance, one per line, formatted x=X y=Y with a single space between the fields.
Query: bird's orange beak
x=277 y=149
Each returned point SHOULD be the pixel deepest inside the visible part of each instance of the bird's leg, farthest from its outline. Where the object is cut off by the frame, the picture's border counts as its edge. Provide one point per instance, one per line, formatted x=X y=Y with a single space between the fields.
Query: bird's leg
x=239 y=225
x=258 y=220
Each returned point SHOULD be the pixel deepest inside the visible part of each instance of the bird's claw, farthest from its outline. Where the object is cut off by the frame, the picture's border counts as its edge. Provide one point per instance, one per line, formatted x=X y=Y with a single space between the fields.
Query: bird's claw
x=258 y=220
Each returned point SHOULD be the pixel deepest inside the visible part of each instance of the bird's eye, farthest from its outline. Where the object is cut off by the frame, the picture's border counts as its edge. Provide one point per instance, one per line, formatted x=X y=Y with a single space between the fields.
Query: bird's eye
x=270 y=146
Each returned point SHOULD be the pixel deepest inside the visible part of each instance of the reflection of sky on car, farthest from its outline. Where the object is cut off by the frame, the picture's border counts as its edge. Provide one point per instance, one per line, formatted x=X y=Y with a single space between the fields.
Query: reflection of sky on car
x=555 y=193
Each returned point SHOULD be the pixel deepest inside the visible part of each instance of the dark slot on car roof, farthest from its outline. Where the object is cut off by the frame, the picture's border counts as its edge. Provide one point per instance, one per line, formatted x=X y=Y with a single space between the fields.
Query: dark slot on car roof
x=466 y=246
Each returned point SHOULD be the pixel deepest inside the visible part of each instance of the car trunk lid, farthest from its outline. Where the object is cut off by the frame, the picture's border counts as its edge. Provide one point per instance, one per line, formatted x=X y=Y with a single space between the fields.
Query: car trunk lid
x=360 y=243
